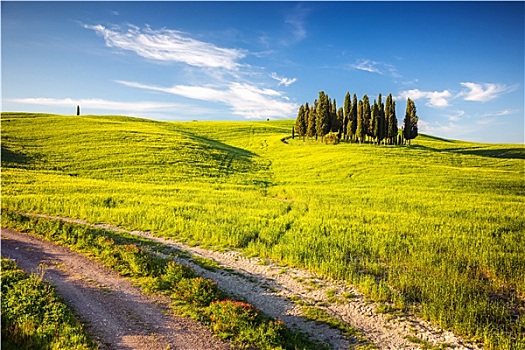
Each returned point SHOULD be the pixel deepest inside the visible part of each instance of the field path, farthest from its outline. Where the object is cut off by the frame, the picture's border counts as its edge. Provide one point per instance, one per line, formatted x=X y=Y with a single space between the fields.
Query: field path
x=271 y=288
x=117 y=315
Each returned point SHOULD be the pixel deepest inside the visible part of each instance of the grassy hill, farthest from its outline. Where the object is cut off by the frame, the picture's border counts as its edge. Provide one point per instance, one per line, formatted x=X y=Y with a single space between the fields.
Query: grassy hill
x=437 y=227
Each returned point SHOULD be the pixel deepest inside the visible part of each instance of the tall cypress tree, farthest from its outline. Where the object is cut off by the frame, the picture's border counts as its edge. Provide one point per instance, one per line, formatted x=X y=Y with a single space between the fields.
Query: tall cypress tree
x=353 y=118
x=410 y=130
x=311 y=129
x=346 y=115
x=388 y=117
x=376 y=126
x=360 y=129
x=393 y=123
x=367 y=116
x=300 y=122
x=382 y=122
x=322 y=115
x=340 y=122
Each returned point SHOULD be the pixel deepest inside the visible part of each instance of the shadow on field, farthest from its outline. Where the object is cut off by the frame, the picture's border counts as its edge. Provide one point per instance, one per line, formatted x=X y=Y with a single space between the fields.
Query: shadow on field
x=501 y=153
x=10 y=157
x=238 y=152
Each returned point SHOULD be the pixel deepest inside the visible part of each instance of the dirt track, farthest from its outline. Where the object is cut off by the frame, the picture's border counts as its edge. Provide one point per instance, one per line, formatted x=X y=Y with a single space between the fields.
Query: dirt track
x=270 y=287
x=117 y=315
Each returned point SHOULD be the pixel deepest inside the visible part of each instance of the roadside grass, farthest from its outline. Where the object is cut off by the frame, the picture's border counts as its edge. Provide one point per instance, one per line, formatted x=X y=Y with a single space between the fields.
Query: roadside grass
x=436 y=228
x=34 y=316
x=200 y=298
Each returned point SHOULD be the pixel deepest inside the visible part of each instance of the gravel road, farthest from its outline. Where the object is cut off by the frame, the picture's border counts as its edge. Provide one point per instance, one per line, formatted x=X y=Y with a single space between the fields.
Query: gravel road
x=117 y=315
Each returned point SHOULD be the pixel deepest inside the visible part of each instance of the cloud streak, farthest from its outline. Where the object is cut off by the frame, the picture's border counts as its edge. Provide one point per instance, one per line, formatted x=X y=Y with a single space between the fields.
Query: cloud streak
x=434 y=98
x=484 y=92
x=282 y=80
x=97 y=104
x=243 y=99
x=166 y=45
x=367 y=66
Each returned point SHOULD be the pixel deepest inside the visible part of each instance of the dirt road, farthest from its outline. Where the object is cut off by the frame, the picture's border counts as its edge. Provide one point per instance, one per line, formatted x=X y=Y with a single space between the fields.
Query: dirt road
x=117 y=315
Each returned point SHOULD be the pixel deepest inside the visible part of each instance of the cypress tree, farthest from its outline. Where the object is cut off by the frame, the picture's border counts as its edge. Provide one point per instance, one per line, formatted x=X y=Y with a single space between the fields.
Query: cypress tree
x=353 y=119
x=311 y=131
x=322 y=115
x=340 y=122
x=300 y=122
x=388 y=117
x=376 y=126
x=367 y=116
x=346 y=116
x=410 y=122
x=78 y=109
x=392 y=127
x=360 y=128
x=381 y=119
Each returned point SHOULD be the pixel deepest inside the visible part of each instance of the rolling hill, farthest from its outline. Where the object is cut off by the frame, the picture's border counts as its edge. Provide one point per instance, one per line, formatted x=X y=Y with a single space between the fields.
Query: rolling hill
x=436 y=227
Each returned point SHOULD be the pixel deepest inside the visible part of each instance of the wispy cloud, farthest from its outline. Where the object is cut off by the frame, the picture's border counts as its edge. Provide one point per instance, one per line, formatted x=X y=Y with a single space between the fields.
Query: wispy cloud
x=282 y=80
x=367 y=66
x=456 y=116
x=243 y=99
x=434 y=98
x=168 y=45
x=296 y=19
x=484 y=92
x=372 y=66
x=97 y=104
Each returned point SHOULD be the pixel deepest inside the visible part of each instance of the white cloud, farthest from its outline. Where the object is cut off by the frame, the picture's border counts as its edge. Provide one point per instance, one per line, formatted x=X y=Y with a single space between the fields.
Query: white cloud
x=169 y=46
x=244 y=99
x=483 y=92
x=282 y=80
x=97 y=104
x=435 y=98
x=367 y=66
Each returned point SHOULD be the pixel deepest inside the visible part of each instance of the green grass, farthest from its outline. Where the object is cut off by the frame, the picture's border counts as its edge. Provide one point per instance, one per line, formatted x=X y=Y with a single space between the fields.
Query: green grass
x=34 y=316
x=437 y=227
x=138 y=259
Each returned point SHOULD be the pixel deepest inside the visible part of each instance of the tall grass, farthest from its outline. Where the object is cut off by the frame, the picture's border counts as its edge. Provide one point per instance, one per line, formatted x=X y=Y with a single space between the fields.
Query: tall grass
x=436 y=228
x=34 y=317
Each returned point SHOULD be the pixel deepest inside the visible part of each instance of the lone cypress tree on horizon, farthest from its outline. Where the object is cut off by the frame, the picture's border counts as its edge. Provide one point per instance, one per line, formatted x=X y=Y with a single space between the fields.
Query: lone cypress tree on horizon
x=78 y=109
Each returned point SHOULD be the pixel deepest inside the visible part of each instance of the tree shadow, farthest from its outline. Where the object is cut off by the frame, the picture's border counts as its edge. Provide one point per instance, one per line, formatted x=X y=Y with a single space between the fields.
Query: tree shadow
x=501 y=153
x=480 y=151
x=10 y=157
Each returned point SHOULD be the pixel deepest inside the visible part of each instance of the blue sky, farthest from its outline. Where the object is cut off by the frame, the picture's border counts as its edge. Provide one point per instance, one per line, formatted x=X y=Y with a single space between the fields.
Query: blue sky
x=461 y=62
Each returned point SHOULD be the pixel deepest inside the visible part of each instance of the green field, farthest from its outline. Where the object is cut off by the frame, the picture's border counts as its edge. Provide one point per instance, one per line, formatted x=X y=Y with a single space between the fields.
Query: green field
x=436 y=227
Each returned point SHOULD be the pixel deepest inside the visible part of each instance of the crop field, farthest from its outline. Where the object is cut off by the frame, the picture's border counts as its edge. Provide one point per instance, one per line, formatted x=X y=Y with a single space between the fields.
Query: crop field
x=436 y=228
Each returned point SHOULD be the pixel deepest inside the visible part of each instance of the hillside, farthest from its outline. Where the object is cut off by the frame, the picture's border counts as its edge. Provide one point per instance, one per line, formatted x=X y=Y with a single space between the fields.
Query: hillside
x=436 y=228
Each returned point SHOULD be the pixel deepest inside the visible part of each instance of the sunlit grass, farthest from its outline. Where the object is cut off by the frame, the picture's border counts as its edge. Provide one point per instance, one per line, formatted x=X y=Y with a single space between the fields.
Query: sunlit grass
x=436 y=227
